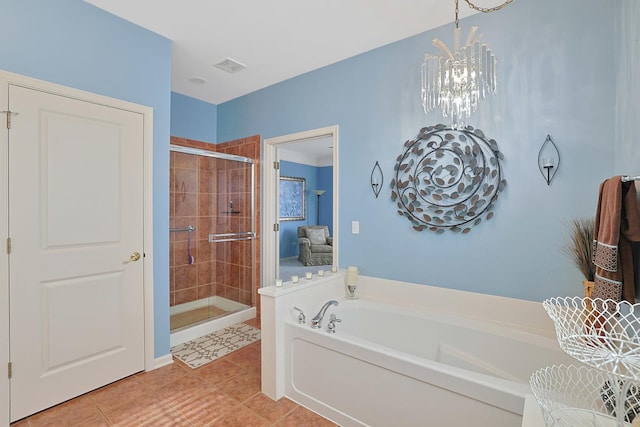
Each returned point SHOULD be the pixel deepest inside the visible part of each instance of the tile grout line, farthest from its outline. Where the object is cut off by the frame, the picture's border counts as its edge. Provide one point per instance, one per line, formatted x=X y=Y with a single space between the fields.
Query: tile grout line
x=99 y=409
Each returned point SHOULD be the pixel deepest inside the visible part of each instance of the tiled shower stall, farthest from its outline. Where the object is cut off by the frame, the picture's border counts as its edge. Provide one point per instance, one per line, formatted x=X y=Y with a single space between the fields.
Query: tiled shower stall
x=213 y=269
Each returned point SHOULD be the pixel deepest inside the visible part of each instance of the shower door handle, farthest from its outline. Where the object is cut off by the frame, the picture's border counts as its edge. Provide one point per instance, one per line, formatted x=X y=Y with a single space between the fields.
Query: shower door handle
x=232 y=237
x=134 y=257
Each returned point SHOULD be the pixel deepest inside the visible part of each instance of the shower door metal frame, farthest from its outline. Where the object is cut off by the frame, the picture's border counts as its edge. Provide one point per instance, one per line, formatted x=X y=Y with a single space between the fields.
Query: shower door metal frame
x=229 y=237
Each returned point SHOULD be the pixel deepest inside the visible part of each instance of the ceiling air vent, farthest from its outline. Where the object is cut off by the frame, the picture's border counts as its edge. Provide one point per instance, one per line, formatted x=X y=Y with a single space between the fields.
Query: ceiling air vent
x=230 y=65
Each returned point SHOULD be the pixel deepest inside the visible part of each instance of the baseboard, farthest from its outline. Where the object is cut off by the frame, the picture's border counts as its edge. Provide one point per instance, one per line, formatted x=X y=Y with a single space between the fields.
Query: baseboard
x=161 y=361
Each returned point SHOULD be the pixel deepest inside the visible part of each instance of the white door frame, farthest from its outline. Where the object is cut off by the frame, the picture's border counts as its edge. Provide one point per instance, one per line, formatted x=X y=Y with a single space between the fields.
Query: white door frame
x=7 y=78
x=270 y=237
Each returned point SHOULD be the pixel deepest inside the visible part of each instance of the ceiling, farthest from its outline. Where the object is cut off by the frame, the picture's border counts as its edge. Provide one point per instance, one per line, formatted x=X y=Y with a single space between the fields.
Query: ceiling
x=275 y=39
x=313 y=151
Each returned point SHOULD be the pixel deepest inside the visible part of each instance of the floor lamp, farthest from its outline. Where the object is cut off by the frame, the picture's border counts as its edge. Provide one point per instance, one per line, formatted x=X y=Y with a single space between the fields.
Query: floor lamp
x=318 y=193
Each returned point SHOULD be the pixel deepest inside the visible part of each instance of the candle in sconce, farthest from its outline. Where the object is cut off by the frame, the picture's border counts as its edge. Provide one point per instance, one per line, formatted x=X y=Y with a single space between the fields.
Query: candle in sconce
x=547 y=163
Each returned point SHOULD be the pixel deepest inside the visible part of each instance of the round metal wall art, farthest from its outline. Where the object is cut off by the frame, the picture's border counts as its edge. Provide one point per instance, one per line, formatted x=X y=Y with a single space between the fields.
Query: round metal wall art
x=447 y=179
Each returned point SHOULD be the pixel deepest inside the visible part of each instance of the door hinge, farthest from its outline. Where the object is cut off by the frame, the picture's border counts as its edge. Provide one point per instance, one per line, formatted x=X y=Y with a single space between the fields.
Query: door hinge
x=8 y=245
x=276 y=227
x=9 y=370
x=9 y=113
x=276 y=165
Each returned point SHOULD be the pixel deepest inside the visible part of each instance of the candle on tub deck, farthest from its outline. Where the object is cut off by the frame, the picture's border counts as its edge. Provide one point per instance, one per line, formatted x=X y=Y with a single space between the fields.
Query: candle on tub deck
x=334 y=269
x=308 y=275
x=320 y=273
x=295 y=278
x=278 y=282
x=352 y=275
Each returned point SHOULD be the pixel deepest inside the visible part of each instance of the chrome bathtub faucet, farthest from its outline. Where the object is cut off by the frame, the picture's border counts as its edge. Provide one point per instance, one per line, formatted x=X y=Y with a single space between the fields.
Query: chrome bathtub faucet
x=317 y=320
x=301 y=319
x=331 y=327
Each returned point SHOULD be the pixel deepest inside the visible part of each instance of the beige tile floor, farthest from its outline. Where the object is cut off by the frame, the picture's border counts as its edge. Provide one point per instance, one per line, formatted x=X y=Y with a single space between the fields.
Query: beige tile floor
x=225 y=392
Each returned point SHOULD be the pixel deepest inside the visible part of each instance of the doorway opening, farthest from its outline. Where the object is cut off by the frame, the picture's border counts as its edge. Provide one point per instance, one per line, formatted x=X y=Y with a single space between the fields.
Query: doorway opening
x=282 y=149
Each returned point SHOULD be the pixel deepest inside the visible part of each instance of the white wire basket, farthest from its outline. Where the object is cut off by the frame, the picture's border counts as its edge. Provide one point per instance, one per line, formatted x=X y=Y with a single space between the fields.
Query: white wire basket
x=576 y=396
x=601 y=333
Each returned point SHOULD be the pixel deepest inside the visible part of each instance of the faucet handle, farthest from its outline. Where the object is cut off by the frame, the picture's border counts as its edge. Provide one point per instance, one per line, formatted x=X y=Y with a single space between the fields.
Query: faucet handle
x=301 y=318
x=331 y=326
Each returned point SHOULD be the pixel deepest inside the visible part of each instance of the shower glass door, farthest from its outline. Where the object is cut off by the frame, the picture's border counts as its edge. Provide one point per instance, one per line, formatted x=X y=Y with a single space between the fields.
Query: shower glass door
x=212 y=235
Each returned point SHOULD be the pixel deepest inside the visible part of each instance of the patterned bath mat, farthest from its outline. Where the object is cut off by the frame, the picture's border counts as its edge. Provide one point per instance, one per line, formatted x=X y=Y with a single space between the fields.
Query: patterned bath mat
x=212 y=346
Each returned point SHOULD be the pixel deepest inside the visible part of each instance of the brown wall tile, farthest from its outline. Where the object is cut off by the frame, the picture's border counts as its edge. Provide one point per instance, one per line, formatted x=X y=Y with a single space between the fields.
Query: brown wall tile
x=185 y=277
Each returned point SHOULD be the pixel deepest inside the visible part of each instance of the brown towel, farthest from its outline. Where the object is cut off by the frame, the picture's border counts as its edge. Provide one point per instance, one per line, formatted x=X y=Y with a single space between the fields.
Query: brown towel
x=617 y=224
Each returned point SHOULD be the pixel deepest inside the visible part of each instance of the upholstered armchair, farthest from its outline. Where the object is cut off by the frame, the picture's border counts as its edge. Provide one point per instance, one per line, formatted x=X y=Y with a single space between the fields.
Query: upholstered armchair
x=316 y=246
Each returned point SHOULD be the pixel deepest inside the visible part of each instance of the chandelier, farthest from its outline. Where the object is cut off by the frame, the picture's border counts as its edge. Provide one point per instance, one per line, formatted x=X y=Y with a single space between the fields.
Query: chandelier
x=455 y=81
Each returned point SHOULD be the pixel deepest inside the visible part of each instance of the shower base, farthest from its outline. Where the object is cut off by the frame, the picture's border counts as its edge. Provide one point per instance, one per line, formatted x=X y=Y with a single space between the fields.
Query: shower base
x=197 y=318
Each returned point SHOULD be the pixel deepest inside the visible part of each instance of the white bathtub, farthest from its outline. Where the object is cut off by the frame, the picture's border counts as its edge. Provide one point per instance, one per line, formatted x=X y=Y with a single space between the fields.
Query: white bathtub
x=394 y=365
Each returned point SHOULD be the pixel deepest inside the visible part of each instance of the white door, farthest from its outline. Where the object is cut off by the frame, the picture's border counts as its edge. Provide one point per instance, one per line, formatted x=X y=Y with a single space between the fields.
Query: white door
x=76 y=225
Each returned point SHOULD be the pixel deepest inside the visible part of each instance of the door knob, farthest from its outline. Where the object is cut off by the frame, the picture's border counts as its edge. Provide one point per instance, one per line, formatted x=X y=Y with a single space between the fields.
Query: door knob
x=134 y=257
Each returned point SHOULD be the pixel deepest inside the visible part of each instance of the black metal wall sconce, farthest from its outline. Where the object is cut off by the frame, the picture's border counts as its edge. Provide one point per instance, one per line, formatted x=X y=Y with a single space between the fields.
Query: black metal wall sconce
x=377 y=179
x=548 y=160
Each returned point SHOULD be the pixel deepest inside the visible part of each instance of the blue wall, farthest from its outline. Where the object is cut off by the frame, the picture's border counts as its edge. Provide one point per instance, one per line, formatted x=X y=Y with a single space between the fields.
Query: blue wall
x=72 y=43
x=192 y=118
x=627 y=58
x=556 y=76
x=317 y=178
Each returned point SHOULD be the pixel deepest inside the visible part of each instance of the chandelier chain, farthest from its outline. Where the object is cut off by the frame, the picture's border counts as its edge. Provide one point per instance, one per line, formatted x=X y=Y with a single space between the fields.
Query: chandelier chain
x=458 y=20
x=483 y=9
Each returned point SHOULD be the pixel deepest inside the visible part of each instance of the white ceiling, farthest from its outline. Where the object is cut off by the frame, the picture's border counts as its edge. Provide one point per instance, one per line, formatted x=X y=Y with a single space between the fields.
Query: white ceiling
x=275 y=39
x=314 y=151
